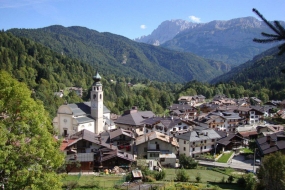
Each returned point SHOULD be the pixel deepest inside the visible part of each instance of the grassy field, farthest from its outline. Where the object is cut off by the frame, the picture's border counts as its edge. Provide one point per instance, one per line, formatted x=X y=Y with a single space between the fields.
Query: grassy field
x=107 y=182
x=206 y=175
x=225 y=157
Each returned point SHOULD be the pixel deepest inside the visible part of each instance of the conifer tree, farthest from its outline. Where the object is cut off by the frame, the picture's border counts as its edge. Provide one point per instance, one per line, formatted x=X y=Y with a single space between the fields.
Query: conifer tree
x=279 y=33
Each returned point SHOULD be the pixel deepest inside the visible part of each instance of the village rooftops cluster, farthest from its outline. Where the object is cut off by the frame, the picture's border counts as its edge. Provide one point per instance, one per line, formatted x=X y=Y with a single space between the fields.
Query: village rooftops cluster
x=98 y=139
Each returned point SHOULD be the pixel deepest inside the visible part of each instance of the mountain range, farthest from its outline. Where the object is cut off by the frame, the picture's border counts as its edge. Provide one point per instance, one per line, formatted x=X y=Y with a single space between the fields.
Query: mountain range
x=120 y=56
x=227 y=41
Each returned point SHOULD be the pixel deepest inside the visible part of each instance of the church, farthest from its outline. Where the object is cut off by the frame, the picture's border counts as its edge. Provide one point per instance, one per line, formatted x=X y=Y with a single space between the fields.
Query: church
x=92 y=116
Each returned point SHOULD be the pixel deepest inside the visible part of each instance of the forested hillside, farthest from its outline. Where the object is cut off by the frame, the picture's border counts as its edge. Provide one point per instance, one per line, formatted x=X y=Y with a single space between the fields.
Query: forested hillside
x=46 y=72
x=263 y=72
x=120 y=56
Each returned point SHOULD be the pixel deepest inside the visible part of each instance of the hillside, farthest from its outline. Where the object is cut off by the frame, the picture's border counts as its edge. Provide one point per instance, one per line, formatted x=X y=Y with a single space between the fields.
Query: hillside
x=227 y=41
x=120 y=56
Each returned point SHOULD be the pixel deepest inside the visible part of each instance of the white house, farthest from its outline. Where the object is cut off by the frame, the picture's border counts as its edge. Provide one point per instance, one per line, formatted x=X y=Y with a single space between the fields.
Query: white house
x=194 y=143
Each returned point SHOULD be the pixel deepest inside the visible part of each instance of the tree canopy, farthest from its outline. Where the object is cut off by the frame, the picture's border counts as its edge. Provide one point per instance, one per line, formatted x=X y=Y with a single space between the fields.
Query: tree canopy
x=29 y=154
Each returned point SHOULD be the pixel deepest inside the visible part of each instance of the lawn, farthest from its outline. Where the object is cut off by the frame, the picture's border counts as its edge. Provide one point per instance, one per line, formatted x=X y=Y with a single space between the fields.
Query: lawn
x=206 y=175
x=225 y=157
x=105 y=182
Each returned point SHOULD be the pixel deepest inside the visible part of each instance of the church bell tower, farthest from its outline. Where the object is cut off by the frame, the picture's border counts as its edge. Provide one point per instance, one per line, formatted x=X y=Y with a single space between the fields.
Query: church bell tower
x=97 y=104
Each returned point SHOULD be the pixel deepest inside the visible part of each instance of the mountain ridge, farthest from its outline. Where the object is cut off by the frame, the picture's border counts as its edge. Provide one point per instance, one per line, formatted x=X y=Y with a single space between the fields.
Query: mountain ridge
x=229 y=41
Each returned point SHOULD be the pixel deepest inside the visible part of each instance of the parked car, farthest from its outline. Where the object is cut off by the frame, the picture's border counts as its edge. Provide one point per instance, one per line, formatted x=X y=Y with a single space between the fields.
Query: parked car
x=257 y=162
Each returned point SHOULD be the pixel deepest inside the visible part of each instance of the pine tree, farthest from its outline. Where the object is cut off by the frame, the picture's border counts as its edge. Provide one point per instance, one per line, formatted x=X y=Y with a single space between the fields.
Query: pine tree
x=277 y=29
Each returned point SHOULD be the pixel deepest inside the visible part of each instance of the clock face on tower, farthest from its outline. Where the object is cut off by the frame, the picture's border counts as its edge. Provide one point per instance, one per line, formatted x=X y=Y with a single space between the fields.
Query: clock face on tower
x=93 y=105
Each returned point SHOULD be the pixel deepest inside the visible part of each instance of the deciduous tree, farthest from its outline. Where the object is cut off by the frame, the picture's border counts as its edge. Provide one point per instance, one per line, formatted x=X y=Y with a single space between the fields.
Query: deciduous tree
x=29 y=155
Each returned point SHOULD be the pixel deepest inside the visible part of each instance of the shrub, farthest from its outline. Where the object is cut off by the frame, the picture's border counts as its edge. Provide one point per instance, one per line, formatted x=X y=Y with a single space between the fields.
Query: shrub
x=149 y=179
x=159 y=175
x=187 y=162
x=182 y=176
x=230 y=179
x=198 y=177
x=241 y=182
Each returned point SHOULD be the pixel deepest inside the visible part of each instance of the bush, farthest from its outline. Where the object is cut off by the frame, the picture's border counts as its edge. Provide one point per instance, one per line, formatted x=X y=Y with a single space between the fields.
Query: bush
x=241 y=182
x=198 y=177
x=230 y=179
x=187 y=162
x=182 y=176
x=160 y=175
x=149 y=179
x=70 y=184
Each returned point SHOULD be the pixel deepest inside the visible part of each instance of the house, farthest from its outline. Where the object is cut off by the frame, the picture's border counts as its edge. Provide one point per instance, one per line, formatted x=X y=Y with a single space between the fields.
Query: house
x=250 y=115
x=191 y=100
x=132 y=120
x=225 y=121
x=271 y=143
x=93 y=152
x=157 y=146
x=183 y=111
x=186 y=100
x=264 y=130
x=168 y=125
x=77 y=90
x=123 y=139
x=196 y=142
x=93 y=115
x=255 y=101
x=229 y=141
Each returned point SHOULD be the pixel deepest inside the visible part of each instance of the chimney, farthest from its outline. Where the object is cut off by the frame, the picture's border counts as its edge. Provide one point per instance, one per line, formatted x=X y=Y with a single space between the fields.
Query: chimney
x=273 y=142
x=268 y=138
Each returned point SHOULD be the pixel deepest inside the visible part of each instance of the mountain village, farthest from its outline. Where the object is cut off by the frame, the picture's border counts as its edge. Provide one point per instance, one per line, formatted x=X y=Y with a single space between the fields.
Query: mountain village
x=195 y=127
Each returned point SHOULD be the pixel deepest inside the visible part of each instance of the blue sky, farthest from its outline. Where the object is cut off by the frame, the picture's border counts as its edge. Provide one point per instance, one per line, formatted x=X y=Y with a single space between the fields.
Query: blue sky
x=129 y=18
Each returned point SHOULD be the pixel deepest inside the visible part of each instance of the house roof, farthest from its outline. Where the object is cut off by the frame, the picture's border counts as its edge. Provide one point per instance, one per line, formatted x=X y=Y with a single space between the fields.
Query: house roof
x=134 y=119
x=271 y=143
x=181 y=107
x=248 y=133
x=167 y=122
x=156 y=135
x=194 y=136
x=107 y=154
x=227 y=140
x=119 y=132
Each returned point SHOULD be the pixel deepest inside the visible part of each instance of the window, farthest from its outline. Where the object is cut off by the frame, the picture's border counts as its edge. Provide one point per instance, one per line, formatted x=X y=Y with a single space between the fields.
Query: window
x=204 y=147
x=205 y=141
x=141 y=129
x=162 y=159
x=94 y=96
x=177 y=140
x=213 y=140
x=184 y=142
x=100 y=96
x=193 y=149
x=193 y=143
x=184 y=148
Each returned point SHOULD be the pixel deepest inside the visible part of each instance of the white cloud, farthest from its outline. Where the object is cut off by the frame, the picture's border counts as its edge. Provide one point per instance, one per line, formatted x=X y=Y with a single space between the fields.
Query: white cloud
x=194 y=19
x=143 y=26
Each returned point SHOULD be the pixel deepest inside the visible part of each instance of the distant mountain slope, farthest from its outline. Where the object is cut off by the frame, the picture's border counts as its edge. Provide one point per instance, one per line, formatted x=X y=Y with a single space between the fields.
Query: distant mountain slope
x=264 y=69
x=166 y=31
x=123 y=57
x=227 y=41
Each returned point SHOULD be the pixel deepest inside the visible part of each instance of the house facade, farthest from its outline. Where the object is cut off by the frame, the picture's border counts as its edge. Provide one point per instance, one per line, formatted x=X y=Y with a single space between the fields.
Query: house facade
x=194 y=143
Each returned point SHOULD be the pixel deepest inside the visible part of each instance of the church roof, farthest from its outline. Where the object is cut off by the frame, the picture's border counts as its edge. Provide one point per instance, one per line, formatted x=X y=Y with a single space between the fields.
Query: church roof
x=83 y=108
x=84 y=119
